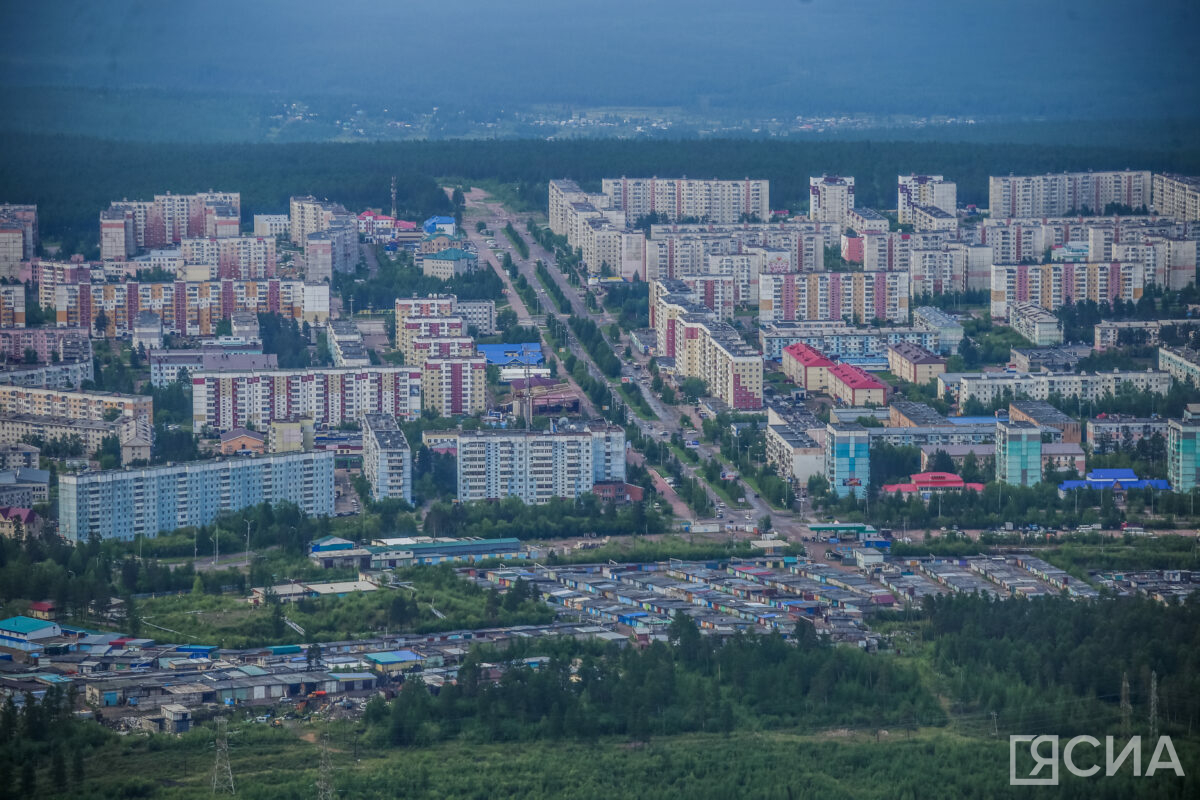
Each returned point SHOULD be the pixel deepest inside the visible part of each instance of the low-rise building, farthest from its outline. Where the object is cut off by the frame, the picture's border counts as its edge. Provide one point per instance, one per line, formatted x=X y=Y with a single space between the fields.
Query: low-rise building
x=1181 y=363
x=1061 y=427
x=855 y=387
x=988 y=387
x=449 y=263
x=242 y=441
x=1060 y=358
x=1109 y=432
x=949 y=330
x=1135 y=331
x=1036 y=324
x=806 y=366
x=913 y=363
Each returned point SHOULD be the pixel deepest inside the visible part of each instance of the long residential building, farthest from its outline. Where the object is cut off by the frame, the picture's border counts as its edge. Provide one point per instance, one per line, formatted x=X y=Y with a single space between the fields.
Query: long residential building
x=74 y=405
x=222 y=401
x=1052 y=286
x=242 y=258
x=713 y=351
x=186 y=308
x=1177 y=196
x=988 y=387
x=387 y=458
x=125 y=504
x=16 y=428
x=1181 y=363
x=678 y=198
x=1108 y=334
x=857 y=296
x=165 y=365
x=536 y=466
x=1056 y=195
x=838 y=340
x=65 y=344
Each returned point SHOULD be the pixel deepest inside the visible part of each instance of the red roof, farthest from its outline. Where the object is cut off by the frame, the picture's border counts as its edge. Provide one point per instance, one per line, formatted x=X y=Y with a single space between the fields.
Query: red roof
x=928 y=481
x=808 y=356
x=42 y=605
x=854 y=377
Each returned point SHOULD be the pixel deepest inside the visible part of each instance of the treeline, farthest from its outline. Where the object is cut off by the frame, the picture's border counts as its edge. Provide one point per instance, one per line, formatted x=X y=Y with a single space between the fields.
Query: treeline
x=592 y=339
x=43 y=747
x=553 y=289
x=518 y=242
x=401 y=278
x=630 y=302
x=559 y=518
x=72 y=178
x=697 y=684
x=1079 y=319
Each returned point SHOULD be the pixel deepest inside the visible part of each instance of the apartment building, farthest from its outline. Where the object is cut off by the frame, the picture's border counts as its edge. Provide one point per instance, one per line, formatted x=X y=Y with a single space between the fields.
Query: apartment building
x=857 y=296
x=442 y=347
x=1181 y=363
x=1174 y=195
x=913 y=363
x=937 y=271
x=478 y=313
x=830 y=199
x=950 y=332
x=335 y=246
x=1036 y=324
x=59 y=375
x=932 y=218
x=537 y=466
x=1166 y=261
x=806 y=366
x=346 y=344
x=847 y=458
x=12 y=306
x=25 y=217
x=414 y=328
x=165 y=365
x=1018 y=453
x=1015 y=241
x=125 y=504
x=74 y=405
x=454 y=385
x=612 y=250
x=242 y=258
x=1109 y=334
x=924 y=190
x=1061 y=427
x=988 y=387
x=272 y=225
x=792 y=446
x=1183 y=456
x=855 y=386
x=91 y=433
x=187 y=308
x=167 y=219
x=1115 y=431
x=12 y=245
x=862 y=220
x=1054 y=285
x=839 y=340
x=1067 y=193
x=714 y=352
x=717 y=201
x=67 y=344
x=387 y=458
x=222 y=401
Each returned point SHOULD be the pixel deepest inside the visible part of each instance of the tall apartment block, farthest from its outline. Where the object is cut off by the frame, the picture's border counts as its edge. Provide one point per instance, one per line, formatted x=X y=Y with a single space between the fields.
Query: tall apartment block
x=1034 y=196
x=453 y=386
x=537 y=466
x=847 y=458
x=168 y=218
x=678 y=198
x=222 y=401
x=334 y=236
x=125 y=504
x=924 y=190
x=1183 y=459
x=241 y=258
x=830 y=199
x=1018 y=453
x=74 y=405
x=859 y=296
x=1054 y=285
x=12 y=305
x=387 y=458
x=1175 y=196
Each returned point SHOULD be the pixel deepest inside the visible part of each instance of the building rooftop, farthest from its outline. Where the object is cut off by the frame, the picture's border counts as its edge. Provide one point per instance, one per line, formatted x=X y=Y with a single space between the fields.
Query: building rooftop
x=24 y=624
x=914 y=353
x=1041 y=412
x=854 y=377
x=808 y=356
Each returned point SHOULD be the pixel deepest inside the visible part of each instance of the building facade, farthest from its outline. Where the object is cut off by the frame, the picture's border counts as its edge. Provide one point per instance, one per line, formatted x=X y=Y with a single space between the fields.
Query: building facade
x=847 y=458
x=1018 y=453
x=387 y=458
x=1183 y=458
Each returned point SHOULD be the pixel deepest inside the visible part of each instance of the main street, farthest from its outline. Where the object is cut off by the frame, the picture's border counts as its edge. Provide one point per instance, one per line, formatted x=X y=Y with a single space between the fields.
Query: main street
x=481 y=208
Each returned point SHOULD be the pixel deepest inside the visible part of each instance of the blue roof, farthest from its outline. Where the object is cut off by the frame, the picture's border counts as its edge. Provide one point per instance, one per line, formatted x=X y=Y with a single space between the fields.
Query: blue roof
x=1112 y=475
x=23 y=624
x=432 y=223
x=512 y=354
x=394 y=657
x=971 y=420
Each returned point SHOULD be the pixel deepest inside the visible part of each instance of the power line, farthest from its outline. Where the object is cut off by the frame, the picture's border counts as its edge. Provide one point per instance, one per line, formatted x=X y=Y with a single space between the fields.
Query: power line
x=222 y=776
x=325 y=772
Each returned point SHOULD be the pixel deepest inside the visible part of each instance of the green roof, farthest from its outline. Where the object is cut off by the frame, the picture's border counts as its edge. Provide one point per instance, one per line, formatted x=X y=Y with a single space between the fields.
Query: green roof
x=23 y=624
x=451 y=254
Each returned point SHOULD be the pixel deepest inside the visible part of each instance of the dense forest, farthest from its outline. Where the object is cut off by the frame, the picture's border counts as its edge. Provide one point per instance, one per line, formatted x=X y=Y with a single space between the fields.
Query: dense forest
x=73 y=178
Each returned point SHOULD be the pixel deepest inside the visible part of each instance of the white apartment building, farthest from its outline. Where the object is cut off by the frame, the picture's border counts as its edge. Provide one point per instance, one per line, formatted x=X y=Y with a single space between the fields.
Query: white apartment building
x=863 y=219
x=717 y=201
x=860 y=296
x=830 y=199
x=537 y=466
x=1055 y=195
x=240 y=258
x=988 y=387
x=272 y=225
x=924 y=190
x=387 y=458
x=1054 y=285
x=1036 y=324
x=932 y=218
x=1177 y=196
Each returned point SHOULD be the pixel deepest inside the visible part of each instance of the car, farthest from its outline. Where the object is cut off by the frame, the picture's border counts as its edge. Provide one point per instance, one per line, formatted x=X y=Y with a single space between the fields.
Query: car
x=749 y=516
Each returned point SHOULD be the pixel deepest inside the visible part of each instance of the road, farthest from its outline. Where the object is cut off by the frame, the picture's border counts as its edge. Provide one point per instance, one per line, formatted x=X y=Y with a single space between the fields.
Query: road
x=480 y=207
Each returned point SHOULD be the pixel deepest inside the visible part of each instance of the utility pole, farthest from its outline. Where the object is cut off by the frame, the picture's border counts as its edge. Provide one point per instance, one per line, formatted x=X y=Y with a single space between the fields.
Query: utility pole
x=247 y=547
x=995 y=726
x=393 y=197
x=1154 y=705
x=222 y=776
x=1126 y=707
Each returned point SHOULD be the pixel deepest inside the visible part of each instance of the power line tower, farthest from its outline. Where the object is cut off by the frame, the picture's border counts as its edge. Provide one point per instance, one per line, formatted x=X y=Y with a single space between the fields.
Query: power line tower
x=325 y=772
x=222 y=776
x=1126 y=707
x=1154 y=705
x=393 y=197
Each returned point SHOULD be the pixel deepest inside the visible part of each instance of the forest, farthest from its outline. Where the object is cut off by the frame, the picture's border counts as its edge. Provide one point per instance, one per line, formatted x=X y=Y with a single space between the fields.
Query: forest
x=73 y=178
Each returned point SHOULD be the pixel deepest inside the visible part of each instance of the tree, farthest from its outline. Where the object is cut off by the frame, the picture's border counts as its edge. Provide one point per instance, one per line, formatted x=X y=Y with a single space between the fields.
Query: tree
x=313 y=656
x=101 y=323
x=198 y=585
x=30 y=356
x=941 y=462
x=764 y=524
